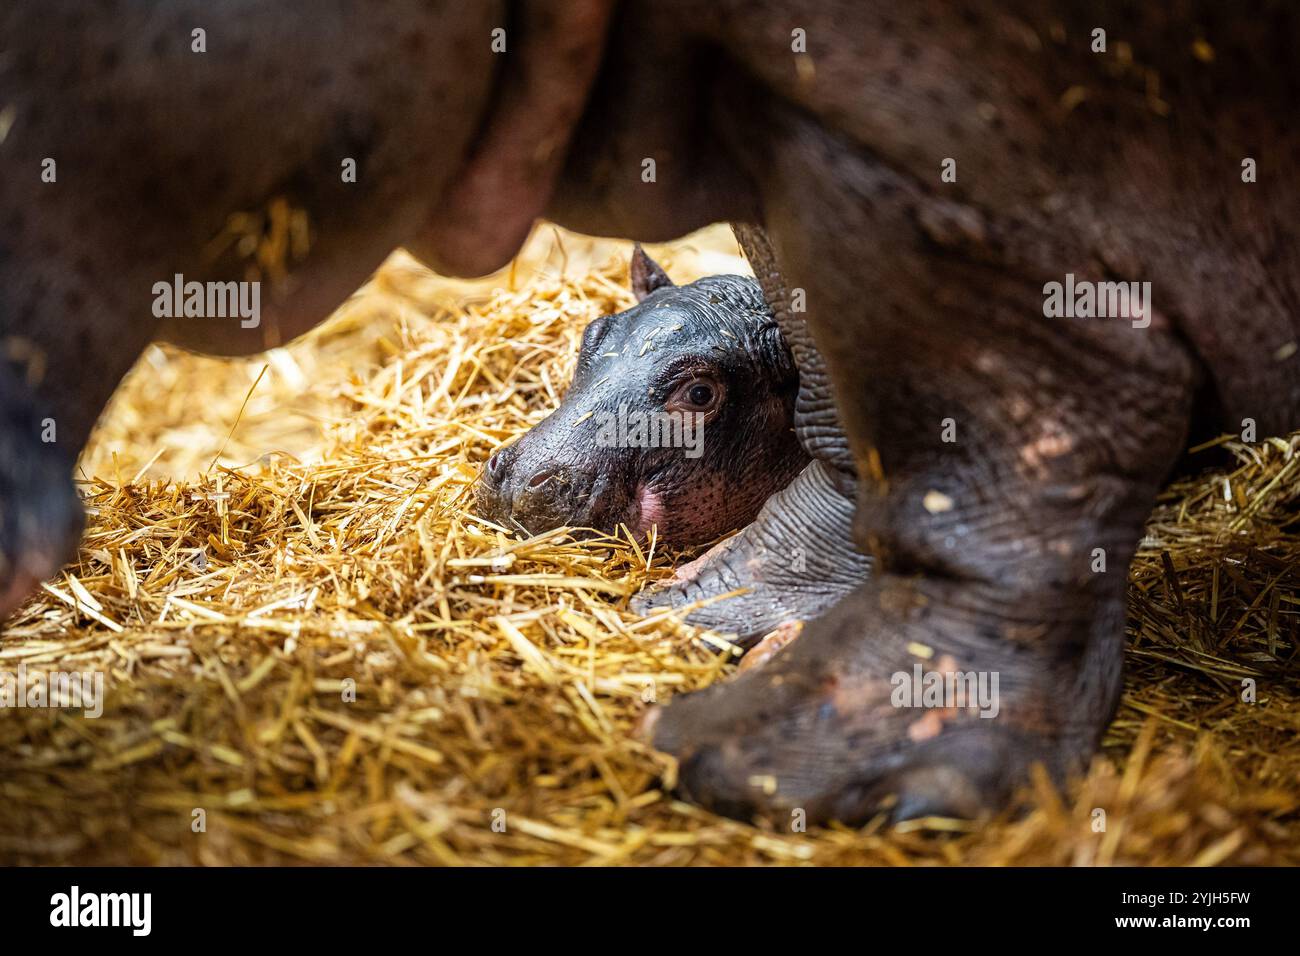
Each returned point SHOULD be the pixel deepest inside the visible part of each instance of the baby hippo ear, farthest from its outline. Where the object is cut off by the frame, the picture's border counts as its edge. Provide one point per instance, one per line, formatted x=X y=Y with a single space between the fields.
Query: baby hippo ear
x=646 y=274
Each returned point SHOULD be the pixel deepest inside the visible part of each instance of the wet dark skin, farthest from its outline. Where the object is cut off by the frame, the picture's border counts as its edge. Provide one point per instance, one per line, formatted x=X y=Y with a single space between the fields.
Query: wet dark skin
x=924 y=294
x=708 y=355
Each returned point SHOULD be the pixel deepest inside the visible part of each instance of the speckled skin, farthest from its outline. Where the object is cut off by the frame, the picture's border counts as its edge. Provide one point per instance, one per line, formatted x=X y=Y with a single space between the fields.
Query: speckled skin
x=717 y=330
x=924 y=295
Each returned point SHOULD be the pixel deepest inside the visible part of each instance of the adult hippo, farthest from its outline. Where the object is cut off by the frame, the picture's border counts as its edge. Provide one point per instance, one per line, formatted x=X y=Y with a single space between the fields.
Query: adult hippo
x=932 y=176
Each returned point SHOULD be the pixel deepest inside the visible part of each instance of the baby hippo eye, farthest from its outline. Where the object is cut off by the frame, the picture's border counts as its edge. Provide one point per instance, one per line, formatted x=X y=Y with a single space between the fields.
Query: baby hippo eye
x=699 y=394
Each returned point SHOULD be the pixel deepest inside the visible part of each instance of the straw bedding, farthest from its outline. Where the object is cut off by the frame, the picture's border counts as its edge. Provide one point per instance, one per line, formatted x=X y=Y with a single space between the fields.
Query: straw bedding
x=314 y=653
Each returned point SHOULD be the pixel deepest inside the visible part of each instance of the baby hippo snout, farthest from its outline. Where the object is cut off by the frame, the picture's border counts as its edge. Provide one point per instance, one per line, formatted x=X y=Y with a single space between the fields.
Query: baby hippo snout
x=532 y=497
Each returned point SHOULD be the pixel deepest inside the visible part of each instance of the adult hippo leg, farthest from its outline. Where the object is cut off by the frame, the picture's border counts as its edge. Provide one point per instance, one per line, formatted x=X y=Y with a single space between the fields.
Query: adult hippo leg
x=797 y=558
x=333 y=135
x=987 y=547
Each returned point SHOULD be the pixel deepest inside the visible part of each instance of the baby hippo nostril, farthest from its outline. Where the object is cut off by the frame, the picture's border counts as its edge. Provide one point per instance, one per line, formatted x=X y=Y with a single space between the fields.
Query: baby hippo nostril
x=494 y=463
x=542 y=477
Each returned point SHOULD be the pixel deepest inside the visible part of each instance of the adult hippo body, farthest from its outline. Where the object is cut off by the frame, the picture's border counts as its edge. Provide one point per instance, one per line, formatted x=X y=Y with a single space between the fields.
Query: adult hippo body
x=924 y=172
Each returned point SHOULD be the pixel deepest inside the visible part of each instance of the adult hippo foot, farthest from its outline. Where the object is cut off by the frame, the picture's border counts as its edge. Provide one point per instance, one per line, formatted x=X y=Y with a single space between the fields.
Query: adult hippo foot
x=841 y=724
x=794 y=561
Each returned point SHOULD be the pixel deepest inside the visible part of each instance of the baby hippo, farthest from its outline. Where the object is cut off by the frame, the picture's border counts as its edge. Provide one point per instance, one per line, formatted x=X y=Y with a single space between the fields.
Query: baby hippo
x=679 y=417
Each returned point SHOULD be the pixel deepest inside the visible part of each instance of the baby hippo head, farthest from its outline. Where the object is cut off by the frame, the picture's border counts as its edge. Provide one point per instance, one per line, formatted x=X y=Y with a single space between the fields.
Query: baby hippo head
x=679 y=417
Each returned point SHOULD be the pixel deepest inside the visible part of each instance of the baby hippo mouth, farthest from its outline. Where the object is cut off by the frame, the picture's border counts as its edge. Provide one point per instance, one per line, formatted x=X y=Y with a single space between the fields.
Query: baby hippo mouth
x=650 y=510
